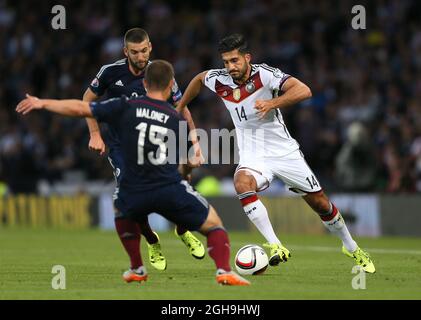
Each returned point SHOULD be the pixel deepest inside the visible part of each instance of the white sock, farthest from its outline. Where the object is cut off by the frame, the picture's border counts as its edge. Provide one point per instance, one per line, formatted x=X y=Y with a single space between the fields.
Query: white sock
x=258 y=214
x=338 y=227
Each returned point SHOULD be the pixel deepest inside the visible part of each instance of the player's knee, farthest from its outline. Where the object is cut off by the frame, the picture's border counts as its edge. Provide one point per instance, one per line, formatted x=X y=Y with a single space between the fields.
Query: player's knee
x=212 y=221
x=241 y=187
x=244 y=183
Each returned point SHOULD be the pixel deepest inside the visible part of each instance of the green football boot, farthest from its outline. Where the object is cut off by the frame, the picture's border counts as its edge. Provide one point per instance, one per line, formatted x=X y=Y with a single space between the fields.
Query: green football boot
x=156 y=258
x=362 y=259
x=278 y=253
x=194 y=245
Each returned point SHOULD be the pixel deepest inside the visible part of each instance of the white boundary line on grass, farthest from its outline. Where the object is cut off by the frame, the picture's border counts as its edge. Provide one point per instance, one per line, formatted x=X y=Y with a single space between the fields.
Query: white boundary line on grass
x=338 y=249
x=373 y=250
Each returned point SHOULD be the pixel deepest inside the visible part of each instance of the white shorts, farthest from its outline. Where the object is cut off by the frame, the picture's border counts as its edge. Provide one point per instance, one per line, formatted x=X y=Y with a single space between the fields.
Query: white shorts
x=292 y=169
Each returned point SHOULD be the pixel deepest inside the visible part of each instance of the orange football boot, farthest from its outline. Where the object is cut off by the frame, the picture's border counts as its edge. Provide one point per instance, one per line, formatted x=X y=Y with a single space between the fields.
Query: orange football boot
x=230 y=278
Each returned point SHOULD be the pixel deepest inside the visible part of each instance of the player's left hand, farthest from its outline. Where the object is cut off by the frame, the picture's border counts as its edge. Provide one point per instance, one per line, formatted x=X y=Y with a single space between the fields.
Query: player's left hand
x=263 y=107
x=29 y=104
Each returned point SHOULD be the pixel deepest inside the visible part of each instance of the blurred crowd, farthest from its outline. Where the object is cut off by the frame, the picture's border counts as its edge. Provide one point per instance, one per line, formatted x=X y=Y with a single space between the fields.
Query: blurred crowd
x=360 y=132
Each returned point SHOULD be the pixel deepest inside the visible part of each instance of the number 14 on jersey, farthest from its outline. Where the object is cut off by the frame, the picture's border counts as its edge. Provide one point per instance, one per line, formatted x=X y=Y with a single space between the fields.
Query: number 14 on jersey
x=241 y=114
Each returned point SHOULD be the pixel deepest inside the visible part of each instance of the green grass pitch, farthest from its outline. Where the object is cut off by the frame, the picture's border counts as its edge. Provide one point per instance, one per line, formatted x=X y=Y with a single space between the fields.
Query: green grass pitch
x=94 y=261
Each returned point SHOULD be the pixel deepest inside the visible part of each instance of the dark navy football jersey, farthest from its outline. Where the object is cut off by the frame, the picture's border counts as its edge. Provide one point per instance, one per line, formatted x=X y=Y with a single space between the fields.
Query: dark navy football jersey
x=148 y=131
x=115 y=80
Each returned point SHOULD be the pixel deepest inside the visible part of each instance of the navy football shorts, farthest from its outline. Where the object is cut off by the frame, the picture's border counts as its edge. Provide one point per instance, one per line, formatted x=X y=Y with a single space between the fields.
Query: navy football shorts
x=116 y=161
x=177 y=202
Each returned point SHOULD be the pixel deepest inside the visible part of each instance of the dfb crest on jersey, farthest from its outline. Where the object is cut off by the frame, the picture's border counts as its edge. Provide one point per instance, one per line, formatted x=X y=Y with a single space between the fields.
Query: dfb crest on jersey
x=250 y=87
x=236 y=94
x=95 y=83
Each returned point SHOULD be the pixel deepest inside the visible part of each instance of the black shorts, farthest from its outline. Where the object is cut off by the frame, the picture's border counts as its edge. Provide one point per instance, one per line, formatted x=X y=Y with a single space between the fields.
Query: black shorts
x=177 y=202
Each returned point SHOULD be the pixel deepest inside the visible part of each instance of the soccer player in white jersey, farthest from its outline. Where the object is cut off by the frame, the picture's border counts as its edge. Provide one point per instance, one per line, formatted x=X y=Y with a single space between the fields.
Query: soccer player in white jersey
x=255 y=94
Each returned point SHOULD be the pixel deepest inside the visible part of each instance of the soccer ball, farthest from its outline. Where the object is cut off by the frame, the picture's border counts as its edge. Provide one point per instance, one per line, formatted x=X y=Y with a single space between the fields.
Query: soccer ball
x=251 y=260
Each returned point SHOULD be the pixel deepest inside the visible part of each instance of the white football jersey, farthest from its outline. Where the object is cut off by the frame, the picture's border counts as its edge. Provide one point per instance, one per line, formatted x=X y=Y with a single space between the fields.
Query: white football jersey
x=257 y=138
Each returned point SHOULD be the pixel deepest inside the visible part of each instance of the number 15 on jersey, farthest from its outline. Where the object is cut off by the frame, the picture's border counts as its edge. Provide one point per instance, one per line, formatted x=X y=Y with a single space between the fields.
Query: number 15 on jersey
x=155 y=137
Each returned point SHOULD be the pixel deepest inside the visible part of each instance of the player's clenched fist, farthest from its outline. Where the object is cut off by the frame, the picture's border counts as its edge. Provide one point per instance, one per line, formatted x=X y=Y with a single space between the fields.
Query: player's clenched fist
x=263 y=107
x=96 y=143
x=29 y=104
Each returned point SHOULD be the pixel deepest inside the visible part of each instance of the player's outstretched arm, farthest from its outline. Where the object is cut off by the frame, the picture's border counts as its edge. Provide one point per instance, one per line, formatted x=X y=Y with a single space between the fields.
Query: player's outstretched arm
x=96 y=143
x=294 y=90
x=72 y=108
x=198 y=158
x=193 y=89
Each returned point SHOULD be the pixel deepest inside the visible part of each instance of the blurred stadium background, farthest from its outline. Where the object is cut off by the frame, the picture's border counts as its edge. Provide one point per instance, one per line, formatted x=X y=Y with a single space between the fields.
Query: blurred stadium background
x=360 y=132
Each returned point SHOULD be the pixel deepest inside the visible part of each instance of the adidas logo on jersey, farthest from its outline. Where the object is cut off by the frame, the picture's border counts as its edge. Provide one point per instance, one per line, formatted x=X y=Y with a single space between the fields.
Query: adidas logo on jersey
x=119 y=83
